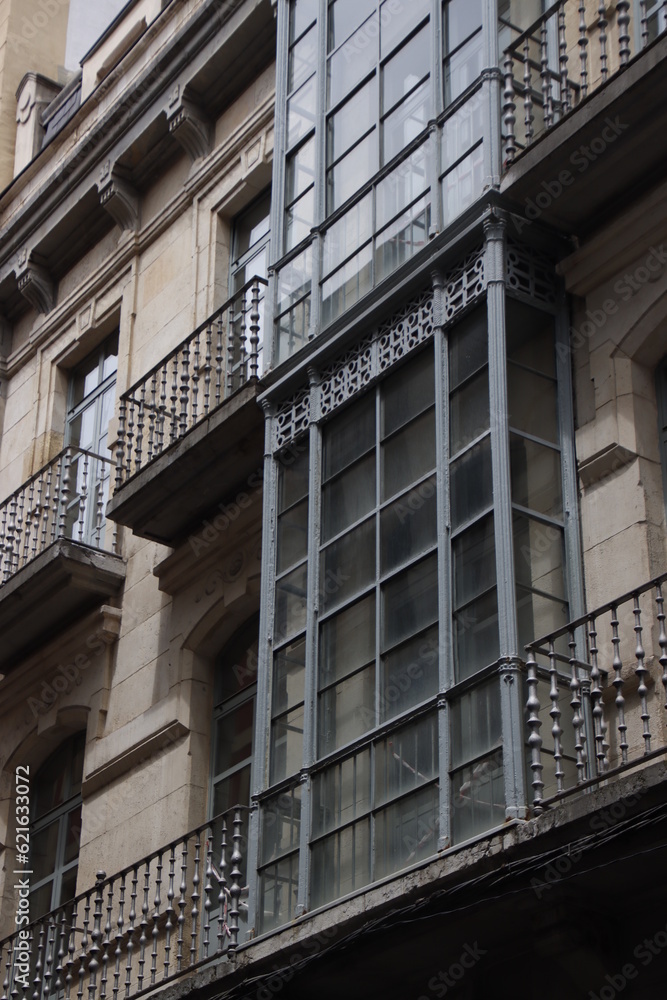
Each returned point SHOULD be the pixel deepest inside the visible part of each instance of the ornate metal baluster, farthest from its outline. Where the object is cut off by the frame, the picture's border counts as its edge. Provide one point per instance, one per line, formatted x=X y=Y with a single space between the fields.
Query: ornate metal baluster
x=96 y=934
x=185 y=388
x=170 y=912
x=62 y=951
x=583 y=45
x=3 y=550
x=8 y=966
x=195 y=379
x=207 y=369
x=577 y=716
x=546 y=77
x=132 y=916
x=235 y=888
x=527 y=93
x=27 y=531
x=623 y=18
x=83 y=954
x=118 y=937
x=509 y=110
x=602 y=35
x=82 y=496
x=231 y=344
x=218 y=360
x=156 y=917
x=643 y=22
x=163 y=408
x=64 y=493
x=662 y=640
x=19 y=528
x=10 y=537
x=38 y=515
x=534 y=726
x=195 y=897
x=130 y=438
x=173 y=415
x=208 y=888
x=99 y=502
x=562 y=60
x=71 y=951
x=152 y=415
x=57 y=498
x=106 y=942
x=141 y=420
x=143 y=925
x=555 y=713
x=120 y=444
x=48 y=962
x=37 y=981
x=223 y=891
x=641 y=673
x=182 y=903
x=618 y=684
x=254 y=331
x=596 y=699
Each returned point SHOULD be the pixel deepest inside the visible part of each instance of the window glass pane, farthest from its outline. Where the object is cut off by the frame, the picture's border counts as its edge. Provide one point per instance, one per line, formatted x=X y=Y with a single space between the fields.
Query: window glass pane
x=461 y=18
x=538 y=615
x=341 y=863
x=300 y=170
x=536 y=479
x=352 y=172
x=346 y=710
x=463 y=68
x=231 y=791
x=86 y=378
x=292 y=536
x=405 y=69
x=402 y=186
x=474 y=561
x=347 y=285
x=406 y=832
x=406 y=760
x=530 y=337
x=346 y=235
x=278 y=892
x=67 y=887
x=341 y=793
x=287 y=744
x=347 y=498
x=251 y=225
x=233 y=736
x=409 y=391
x=293 y=329
x=410 y=602
x=409 y=674
x=462 y=130
x=402 y=238
x=302 y=59
x=288 y=677
x=468 y=347
x=293 y=475
x=538 y=555
x=355 y=60
x=280 y=824
x=349 y=436
x=408 y=455
x=291 y=603
x=301 y=112
x=469 y=412
x=408 y=526
x=110 y=363
x=478 y=798
x=476 y=642
x=476 y=725
x=396 y=21
x=347 y=565
x=303 y=13
x=43 y=851
x=294 y=279
x=406 y=121
x=299 y=220
x=471 y=483
x=347 y=641
x=463 y=184
x=344 y=16
x=348 y=124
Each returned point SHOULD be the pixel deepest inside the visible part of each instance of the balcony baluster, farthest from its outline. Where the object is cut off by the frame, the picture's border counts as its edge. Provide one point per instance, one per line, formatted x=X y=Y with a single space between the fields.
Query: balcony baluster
x=602 y=37
x=623 y=21
x=583 y=47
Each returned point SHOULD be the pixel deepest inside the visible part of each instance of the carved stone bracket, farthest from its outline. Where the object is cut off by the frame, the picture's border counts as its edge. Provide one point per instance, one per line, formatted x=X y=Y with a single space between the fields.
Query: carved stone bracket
x=118 y=197
x=189 y=125
x=35 y=283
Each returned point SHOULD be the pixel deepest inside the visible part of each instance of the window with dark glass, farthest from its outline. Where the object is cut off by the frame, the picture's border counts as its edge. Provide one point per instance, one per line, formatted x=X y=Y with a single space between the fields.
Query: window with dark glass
x=55 y=827
x=251 y=235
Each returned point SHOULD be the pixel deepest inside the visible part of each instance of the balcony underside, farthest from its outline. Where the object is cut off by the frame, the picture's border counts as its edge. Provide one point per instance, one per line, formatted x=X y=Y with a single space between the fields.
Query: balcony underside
x=626 y=157
x=211 y=463
x=65 y=581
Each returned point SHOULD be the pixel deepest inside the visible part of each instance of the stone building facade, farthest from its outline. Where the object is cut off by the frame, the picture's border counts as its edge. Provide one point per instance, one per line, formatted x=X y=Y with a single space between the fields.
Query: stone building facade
x=333 y=488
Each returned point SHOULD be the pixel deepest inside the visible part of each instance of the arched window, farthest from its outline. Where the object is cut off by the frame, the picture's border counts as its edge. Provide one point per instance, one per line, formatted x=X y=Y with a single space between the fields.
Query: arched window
x=56 y=826
x=233 y=720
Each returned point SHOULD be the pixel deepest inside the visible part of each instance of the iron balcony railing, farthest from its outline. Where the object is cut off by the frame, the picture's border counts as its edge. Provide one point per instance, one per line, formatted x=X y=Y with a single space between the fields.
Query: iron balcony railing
x=566 y=54
x=65 y=499
x=160 y=917
x=602 y=681
x=191 y=382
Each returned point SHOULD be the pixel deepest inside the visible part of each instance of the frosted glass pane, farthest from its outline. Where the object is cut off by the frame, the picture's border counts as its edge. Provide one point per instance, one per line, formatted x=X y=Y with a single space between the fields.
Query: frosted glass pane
x=469 y=412
x=406 y=760
x=408 y=455
x=408 y=392
x=347 y=641
x=341 y=863
x=292 y=536
x=408 y=526
x=347 y=565
x=410 y=602
x=348 y=497
x=346 y=710
x=409 y=674
x=478 y=798
x=406 y=832
x=349 y=436
x=536 y=476
x=476 y=725
x=471 y=483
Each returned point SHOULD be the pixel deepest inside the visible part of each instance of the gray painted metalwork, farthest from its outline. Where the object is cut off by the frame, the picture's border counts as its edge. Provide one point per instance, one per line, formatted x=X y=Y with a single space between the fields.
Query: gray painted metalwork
x=530 y=273
x=292 y=419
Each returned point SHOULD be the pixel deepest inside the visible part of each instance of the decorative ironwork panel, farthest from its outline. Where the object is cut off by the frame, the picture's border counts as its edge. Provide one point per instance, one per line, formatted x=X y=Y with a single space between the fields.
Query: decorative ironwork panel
x=406 y=331
x=292 y=418
x=349 y=375
x=531 y=273
x=463 y=285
